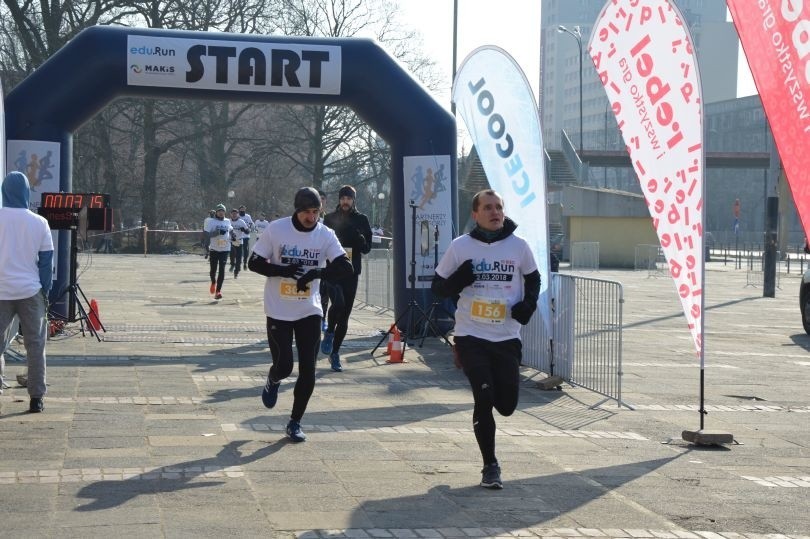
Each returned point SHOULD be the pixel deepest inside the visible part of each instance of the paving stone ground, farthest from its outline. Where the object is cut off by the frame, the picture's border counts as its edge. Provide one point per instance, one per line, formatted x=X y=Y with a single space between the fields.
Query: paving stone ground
x=159 y=431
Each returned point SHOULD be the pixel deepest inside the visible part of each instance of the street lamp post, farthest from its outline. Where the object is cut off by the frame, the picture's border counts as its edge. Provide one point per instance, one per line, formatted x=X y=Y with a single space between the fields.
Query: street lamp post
x=577 y=34
x=381 y=197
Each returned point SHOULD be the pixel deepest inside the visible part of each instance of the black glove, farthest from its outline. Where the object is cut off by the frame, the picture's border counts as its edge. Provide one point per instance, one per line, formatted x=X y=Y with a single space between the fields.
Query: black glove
x=522 y=311
x=302 y=284
x=463 y=276
x=287 y=271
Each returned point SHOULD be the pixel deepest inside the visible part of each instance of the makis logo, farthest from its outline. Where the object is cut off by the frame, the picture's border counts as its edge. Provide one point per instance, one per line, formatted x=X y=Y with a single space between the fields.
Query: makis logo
x=496 y=270
x=293 y=254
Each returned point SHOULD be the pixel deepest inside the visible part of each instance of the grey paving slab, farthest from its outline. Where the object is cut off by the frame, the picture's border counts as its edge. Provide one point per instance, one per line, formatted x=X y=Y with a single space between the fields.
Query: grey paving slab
x=159 y=430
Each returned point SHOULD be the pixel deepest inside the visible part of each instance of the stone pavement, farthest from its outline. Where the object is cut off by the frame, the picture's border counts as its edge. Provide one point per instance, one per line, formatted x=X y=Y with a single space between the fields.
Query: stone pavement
x=159 y=431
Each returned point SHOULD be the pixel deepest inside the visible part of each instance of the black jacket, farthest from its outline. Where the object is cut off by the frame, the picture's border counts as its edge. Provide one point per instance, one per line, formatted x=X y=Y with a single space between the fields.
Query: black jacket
x=353 y=231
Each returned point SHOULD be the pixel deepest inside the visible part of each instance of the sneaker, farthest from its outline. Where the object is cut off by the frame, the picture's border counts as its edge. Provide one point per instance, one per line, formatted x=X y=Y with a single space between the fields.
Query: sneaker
x=326 y=343
x=235 y=274
x=270 y=393
x=491 y=476
x=294 y=431
x=212 y=288
x=36 y=405
x=334 y=361
x=218 y=295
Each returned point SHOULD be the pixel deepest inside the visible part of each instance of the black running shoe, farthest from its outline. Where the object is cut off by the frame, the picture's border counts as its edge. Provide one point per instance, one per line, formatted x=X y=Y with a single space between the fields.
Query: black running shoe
x=294 y=431
x=270 y=393
x=491 y=476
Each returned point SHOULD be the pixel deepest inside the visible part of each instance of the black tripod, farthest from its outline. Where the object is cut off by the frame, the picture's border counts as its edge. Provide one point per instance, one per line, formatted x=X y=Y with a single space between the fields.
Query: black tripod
x=431 y=312
x=74 y=291
x=412 y=303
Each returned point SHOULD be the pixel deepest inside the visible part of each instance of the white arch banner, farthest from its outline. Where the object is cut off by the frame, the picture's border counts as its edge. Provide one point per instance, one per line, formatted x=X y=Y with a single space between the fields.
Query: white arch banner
x=643 y=54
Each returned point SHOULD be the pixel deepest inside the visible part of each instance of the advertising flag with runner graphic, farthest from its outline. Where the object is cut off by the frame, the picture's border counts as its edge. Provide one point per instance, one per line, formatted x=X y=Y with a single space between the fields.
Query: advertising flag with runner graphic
x=775 y=36
x=643 y=54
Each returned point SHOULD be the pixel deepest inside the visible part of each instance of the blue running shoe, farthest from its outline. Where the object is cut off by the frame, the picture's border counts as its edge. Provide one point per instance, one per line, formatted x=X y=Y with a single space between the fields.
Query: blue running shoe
x=270 y=392
x=334 y=360
x=294 y=431
x=491 y=476
x=326 y=343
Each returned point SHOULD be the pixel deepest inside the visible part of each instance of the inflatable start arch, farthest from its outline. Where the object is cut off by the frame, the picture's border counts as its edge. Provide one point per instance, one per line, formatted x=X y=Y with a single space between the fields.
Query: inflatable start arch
x=104 y=62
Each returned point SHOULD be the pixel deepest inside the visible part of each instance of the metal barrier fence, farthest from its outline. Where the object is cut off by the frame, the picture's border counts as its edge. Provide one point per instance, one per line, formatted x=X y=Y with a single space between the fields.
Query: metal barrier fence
x=650 y=258
x=585 y=255
x=587 y=335
x=376 y=286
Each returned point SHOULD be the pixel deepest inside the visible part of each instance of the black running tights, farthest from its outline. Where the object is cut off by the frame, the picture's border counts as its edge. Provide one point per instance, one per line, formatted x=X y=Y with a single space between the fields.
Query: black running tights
x=493 y=369
x=307 y=332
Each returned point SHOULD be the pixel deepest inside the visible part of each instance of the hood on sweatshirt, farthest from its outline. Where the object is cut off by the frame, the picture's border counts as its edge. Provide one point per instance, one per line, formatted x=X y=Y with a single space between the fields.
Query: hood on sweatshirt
x=16 y=190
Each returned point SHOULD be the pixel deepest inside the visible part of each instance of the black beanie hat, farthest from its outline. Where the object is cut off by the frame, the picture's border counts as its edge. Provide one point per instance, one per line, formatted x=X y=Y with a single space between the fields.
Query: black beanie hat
x=347 y=191
x=306 y=198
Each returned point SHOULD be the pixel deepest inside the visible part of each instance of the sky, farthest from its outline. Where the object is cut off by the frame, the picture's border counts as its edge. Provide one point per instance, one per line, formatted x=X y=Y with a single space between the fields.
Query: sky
x=513 y=25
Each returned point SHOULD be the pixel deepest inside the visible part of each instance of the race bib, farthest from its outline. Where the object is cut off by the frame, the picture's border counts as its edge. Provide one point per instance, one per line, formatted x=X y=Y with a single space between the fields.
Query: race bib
x=221 y=242
x=348 y=252
x=289 y=292
x=488 y=310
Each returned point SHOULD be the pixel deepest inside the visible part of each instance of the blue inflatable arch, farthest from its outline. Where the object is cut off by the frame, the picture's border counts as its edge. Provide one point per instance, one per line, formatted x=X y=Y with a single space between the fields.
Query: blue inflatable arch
x=103 y=63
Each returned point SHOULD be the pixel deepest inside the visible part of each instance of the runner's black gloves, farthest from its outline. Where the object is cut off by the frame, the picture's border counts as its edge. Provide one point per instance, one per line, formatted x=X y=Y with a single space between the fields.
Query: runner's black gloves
x=261 y=266
x=523 y=310
x=302 y=284
x=456 y=282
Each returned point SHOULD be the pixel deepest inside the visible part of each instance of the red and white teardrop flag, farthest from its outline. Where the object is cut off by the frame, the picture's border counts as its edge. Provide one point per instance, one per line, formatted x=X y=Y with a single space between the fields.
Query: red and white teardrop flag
x=643 y=54
x=776 y=38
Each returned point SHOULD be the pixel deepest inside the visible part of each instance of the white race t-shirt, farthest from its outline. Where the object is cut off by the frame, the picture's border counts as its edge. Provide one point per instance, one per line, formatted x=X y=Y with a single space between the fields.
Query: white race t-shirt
x=284 y=245
x=238 y=224
x=23 y=234
x=220 y=232
x=260 y=225
x=485 y=307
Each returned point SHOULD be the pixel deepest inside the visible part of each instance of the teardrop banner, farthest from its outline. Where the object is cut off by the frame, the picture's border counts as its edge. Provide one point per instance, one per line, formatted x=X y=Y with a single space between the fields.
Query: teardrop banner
x=643 y=54
x=775 y=36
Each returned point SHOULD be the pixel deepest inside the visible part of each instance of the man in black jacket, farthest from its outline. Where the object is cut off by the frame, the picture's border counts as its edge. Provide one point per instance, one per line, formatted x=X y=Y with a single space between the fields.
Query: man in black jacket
x=354 y=233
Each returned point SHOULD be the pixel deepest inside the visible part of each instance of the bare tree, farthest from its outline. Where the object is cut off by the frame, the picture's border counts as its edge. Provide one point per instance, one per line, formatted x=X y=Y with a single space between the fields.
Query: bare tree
x=331 y=145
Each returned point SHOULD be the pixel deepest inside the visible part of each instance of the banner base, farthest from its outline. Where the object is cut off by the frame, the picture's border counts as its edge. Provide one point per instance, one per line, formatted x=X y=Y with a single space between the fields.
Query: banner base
x=707 y=437
x=552 y=382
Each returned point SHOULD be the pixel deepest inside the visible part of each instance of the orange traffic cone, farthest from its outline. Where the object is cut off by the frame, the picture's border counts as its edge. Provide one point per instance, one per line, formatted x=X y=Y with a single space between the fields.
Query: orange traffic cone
x=93 y=317
x=397 y=349
x=393 y=331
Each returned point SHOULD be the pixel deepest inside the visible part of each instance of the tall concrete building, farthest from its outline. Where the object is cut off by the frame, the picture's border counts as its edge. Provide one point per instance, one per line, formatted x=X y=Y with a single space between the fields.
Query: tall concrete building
x=716 y=46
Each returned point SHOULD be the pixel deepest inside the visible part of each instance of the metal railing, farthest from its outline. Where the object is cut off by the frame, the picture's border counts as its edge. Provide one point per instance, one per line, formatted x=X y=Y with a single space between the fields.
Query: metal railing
x=586 y=332
x=585 y=255
x=376 y=286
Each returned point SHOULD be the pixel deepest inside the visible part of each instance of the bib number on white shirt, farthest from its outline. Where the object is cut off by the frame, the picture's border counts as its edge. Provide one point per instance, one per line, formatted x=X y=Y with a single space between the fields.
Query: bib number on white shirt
x=488 y=310
x=288 y=291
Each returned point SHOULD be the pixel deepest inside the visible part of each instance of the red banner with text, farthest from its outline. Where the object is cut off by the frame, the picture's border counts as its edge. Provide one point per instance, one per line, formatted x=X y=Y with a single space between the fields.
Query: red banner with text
x=775 y=35
x=643 y=54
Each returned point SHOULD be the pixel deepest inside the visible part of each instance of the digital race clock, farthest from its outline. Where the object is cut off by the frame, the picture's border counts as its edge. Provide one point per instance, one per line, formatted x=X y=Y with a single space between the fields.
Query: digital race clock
x=76 y=201
x=63 y=210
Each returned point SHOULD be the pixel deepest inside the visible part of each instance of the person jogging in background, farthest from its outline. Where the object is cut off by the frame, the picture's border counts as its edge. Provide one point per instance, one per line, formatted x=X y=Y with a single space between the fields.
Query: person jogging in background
x=220 y=233
x=354 y=233
x=26 y=255
x=260 y=224
x=496 y=276
x=292 y=254
x=245 y=216
x=241 y=231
